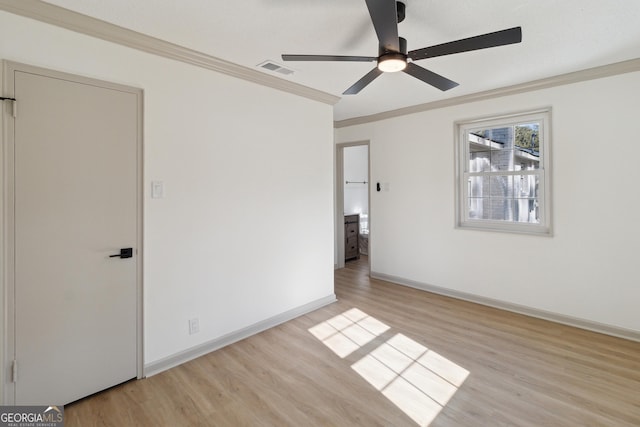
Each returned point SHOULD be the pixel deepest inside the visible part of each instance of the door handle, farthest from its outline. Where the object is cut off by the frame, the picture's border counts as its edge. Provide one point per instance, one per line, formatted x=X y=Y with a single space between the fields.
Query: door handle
x=124 y=253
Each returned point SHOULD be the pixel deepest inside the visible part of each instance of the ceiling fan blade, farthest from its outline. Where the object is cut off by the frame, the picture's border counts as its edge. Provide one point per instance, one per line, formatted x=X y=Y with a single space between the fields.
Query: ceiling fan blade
x=497 y=38
x=360 y=84
x=328 y=58
x=435 y=80
x=385 y=21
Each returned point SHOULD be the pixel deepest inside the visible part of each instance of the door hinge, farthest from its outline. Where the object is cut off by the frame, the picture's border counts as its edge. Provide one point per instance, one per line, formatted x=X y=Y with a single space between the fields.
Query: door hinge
x=14 y=371
x=14 y=105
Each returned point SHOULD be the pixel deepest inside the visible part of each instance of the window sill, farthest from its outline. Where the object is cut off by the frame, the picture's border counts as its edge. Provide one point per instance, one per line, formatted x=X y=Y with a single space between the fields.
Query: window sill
x=501 y=227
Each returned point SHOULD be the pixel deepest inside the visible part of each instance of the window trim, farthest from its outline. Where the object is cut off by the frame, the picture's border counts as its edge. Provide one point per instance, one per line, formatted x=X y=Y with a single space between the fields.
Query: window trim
x=461 y=129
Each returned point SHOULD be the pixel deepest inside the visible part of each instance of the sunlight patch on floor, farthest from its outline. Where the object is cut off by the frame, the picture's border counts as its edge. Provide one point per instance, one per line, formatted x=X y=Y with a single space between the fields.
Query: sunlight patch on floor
x=347 y=332
x=416 y=379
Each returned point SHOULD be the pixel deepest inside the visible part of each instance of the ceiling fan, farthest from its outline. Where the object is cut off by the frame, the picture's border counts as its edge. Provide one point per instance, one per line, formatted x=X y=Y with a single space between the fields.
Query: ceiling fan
x=393 y=55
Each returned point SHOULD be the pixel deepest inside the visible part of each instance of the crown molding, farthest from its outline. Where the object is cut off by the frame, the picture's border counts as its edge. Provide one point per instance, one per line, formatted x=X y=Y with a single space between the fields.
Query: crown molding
x=64 y=18
x=560 y=80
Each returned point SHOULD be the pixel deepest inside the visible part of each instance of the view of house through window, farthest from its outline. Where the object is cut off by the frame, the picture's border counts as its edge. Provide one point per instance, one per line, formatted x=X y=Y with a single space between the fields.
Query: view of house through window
x=501 y=167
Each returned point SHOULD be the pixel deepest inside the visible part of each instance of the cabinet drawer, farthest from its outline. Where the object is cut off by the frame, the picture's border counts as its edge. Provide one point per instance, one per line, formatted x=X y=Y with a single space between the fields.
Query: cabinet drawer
x=351 y=219
x=351 y=228
x=350 y=254
x=351 y=247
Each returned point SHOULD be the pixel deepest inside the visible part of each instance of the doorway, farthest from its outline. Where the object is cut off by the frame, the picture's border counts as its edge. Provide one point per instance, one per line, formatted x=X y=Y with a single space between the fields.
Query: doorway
x=72 y=216
x=353 y=213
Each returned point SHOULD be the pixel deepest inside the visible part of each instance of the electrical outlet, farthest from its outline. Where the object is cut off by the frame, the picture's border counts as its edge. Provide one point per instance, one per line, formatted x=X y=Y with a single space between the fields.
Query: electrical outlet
x=194 y=326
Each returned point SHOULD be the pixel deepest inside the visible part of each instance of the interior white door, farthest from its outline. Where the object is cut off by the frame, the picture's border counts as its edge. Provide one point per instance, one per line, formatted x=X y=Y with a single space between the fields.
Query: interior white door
x=75 y=206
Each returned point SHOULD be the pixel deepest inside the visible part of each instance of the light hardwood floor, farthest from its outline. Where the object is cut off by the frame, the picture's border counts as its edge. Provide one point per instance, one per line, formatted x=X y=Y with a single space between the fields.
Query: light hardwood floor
x=521 y=371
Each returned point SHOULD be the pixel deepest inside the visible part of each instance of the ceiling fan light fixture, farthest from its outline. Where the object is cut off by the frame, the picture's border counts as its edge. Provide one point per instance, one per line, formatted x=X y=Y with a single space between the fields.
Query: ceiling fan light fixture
x=392 y=62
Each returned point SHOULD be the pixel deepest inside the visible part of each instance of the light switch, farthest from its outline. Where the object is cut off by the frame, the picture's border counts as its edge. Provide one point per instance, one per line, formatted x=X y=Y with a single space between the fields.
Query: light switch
x=157 y=190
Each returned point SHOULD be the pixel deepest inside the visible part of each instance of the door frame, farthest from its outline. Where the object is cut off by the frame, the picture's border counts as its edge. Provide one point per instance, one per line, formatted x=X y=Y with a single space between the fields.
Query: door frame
x=7 y=219
x=339 y=191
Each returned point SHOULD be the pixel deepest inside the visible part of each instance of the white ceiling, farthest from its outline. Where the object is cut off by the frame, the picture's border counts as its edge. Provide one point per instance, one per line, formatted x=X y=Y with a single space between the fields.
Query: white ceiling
x=558 y=37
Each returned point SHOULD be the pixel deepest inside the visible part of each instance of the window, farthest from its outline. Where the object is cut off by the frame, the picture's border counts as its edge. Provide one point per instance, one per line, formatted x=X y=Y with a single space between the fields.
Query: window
x=503 y=173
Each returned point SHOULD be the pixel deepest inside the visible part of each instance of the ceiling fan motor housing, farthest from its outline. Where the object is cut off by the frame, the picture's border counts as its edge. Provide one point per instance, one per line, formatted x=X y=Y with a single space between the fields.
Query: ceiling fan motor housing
x=403 y=48
x=386 y=54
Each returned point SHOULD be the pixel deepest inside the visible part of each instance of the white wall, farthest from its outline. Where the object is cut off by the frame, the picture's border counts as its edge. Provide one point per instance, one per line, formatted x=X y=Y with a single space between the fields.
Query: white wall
x=356 y=170
x=246 y=170
x=587 y=270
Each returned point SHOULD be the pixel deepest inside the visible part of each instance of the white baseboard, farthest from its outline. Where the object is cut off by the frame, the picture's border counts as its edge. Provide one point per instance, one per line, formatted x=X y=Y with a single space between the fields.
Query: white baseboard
x=602 y=328
x=215 y=344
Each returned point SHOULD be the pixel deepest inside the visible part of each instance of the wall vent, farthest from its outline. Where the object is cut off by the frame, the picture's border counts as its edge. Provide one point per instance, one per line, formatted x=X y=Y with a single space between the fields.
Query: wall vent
x=275 y=67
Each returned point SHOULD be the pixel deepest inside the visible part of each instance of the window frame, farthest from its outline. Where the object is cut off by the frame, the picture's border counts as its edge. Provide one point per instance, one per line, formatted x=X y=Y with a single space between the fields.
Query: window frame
x=462 y=128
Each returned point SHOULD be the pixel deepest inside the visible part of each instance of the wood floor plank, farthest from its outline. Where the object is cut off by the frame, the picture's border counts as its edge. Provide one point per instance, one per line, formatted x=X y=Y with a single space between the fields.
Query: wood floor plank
x=522 y=371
